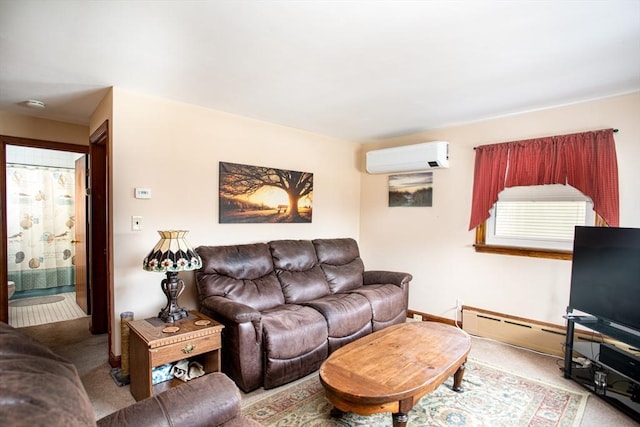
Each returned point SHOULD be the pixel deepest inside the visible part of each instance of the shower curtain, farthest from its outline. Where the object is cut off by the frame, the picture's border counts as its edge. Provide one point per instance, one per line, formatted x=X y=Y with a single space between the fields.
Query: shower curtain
x=40 y=227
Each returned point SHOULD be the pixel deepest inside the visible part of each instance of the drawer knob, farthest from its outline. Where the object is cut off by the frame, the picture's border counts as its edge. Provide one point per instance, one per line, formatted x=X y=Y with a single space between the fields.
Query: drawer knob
x=188 y=348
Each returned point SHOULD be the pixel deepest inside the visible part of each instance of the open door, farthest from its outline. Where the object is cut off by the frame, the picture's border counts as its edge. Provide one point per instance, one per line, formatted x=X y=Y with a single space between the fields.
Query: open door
x=80 y=240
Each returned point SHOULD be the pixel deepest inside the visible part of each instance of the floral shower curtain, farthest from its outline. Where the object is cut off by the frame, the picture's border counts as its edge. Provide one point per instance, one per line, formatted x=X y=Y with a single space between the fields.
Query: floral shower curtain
x=40 y=226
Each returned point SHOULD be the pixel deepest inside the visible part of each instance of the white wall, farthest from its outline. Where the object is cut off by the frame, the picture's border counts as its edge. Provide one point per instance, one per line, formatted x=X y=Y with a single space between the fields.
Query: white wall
x=434 y=243
x=174 y=149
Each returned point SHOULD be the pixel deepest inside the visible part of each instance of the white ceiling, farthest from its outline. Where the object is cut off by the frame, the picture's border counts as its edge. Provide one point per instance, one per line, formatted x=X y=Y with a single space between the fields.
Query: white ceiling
x=359 y=70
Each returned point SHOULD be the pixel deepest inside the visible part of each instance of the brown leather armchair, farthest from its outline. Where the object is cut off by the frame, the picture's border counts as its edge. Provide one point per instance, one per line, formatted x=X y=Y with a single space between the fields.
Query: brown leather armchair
x=39 y=387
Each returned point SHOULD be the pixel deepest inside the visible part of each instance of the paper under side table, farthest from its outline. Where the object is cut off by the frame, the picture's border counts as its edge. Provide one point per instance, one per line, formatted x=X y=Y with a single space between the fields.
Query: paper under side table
x=149 y=347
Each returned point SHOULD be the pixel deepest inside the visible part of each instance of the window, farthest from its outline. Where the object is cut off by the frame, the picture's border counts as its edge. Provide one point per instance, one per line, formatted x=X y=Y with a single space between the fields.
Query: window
x=540 y=225
x=539 y=217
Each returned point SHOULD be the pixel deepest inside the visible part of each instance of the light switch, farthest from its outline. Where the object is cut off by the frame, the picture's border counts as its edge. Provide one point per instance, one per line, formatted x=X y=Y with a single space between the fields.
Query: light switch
x=136 y=223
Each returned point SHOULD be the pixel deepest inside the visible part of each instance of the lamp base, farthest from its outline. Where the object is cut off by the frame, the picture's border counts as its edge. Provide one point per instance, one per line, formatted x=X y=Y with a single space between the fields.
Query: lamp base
x=170 y=317
x=172 y=288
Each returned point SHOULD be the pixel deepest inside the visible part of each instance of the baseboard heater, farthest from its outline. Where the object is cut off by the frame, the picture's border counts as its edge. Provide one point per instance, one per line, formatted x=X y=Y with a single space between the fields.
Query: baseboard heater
x=540 y=336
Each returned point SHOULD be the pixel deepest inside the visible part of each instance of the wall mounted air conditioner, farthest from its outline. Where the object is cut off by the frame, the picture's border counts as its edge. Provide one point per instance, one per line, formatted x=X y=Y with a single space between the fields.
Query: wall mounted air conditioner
x=416 y=157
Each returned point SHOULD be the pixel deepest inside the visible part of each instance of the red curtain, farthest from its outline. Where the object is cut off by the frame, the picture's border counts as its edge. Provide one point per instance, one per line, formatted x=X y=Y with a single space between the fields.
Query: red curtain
x=586 y=161
x=488 y=180
x=592 y=167
x=532 y=162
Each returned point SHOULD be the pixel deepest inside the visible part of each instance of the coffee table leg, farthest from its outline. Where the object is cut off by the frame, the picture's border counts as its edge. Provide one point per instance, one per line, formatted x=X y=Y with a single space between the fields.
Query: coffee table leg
x=400 y=419
x=335 y=412
x=457 y=379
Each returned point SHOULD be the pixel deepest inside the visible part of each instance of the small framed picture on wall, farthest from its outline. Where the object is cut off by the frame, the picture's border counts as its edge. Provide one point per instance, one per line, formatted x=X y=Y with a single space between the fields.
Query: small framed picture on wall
x=411 y=190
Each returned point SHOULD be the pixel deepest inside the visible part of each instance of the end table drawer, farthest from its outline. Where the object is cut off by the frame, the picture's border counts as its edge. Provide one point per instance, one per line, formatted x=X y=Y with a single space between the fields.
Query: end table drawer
x=184 y=349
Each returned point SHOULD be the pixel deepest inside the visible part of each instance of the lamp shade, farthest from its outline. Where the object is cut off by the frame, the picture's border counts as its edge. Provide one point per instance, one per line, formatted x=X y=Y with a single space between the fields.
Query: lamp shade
x=172 y=254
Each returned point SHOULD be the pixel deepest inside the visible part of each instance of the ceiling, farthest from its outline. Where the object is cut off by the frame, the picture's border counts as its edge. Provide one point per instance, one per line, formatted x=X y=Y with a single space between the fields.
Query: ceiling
x=358 y=70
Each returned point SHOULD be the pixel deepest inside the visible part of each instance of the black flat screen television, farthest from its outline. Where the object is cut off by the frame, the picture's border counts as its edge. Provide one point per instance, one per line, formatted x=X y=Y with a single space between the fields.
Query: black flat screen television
x=605 y=274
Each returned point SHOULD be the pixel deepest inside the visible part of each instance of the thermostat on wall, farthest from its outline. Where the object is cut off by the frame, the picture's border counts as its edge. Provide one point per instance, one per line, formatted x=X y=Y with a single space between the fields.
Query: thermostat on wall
x=143 y=193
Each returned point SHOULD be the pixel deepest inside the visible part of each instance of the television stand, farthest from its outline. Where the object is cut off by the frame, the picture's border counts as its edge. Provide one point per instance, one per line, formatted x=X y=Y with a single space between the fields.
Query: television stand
x=612 y=373
x=582 y=319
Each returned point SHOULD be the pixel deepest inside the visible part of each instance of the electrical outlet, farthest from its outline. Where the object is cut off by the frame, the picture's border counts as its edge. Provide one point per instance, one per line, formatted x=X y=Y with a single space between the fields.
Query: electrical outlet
x=417 y=316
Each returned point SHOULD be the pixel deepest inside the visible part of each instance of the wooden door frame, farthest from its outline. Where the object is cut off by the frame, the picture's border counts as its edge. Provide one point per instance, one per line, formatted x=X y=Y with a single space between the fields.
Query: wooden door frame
x=99 y=259
x=24 y=142
x=99 y=230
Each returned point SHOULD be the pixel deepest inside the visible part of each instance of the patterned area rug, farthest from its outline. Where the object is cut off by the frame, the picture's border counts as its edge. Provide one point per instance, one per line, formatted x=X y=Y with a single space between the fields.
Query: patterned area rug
x=491 y=398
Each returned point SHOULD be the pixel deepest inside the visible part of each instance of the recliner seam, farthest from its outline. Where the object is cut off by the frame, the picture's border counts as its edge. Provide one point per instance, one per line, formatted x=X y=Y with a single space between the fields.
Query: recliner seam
x=164 y=411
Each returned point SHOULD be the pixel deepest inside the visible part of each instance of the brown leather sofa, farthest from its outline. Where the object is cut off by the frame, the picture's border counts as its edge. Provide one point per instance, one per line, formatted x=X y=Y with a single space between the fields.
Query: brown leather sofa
x=288 y=304
x=38 y=388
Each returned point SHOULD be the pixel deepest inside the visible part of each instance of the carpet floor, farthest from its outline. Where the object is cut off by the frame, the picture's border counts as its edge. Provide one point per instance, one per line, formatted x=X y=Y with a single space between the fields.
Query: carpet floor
x=73 y=340
x=491 y=397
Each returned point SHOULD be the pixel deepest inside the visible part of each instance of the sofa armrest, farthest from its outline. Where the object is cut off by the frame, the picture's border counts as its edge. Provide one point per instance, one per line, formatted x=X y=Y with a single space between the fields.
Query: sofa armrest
x=227 y=310
x=386 y=277
x=211 y=400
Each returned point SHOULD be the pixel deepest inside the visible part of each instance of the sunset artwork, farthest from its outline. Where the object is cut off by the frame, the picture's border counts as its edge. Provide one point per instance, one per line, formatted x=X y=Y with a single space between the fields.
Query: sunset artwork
x=258 y=194
x=411 y=189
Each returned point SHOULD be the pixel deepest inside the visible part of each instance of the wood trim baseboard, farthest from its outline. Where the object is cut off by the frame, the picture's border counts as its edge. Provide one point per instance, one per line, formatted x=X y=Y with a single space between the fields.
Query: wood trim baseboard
x=114 y=360
x=425 y=317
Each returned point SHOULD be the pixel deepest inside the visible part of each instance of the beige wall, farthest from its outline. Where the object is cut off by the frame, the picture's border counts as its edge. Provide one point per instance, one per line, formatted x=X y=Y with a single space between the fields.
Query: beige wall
x=17 y=125
x=433 y=243
x=103 y=112
x=174 y=149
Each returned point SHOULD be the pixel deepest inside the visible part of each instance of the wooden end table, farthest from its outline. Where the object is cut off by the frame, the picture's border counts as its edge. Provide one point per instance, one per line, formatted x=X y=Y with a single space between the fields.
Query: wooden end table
x=149 y=347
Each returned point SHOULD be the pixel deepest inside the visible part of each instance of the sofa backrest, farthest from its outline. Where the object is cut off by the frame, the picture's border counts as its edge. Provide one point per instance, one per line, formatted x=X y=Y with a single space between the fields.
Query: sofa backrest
x=298 y=271
x=243 y=273
x=340 y=262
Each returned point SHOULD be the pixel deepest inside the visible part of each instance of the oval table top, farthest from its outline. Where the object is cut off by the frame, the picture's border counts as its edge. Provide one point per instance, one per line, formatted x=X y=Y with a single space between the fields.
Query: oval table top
x=402 y=361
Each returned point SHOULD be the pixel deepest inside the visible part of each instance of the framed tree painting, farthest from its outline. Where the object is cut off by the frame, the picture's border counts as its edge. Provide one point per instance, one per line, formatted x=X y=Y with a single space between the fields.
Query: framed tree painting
x=259 y=194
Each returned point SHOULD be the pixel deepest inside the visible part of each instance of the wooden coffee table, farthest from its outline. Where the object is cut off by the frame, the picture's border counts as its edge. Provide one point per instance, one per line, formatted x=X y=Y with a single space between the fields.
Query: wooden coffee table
x=390 y=370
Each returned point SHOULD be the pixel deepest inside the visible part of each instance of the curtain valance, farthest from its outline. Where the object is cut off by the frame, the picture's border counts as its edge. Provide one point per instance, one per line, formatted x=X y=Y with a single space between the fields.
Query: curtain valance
x=586 y=161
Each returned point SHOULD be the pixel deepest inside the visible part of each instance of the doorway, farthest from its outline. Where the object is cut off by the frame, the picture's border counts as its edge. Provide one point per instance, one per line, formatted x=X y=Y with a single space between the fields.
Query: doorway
x=46 y=235
x=98 y=295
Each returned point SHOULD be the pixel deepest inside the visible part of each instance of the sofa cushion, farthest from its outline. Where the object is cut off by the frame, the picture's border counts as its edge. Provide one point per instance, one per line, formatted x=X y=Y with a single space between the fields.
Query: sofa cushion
x=387 y=301
x=297 y=270
x=294 y=341
x=348 y=317
x=340 y=262
x=345 y=313
x=289 y=324
x=243 y=273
